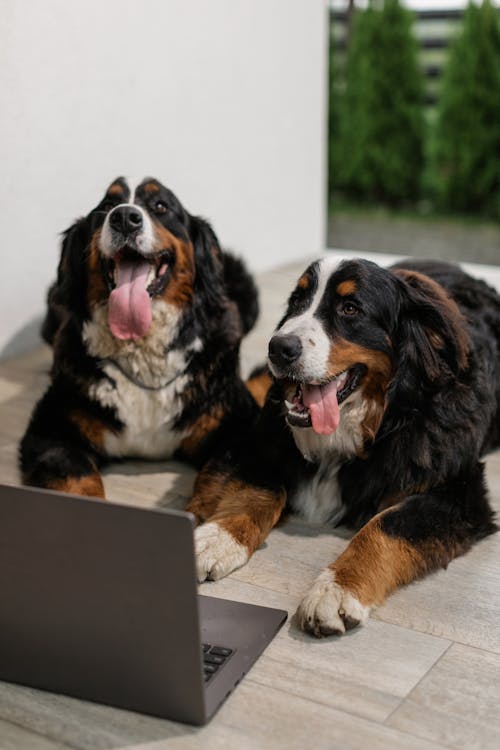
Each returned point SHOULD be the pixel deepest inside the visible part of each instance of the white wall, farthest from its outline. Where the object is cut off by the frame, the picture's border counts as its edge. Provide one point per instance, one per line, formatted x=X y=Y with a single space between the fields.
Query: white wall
x=222 y=100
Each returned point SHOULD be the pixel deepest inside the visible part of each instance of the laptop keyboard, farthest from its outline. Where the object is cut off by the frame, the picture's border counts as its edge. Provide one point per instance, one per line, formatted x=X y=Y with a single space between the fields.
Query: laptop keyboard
x=214 y=657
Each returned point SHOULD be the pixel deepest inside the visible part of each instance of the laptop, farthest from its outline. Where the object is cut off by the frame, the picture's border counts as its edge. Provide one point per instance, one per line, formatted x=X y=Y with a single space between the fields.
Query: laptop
x=99 y=601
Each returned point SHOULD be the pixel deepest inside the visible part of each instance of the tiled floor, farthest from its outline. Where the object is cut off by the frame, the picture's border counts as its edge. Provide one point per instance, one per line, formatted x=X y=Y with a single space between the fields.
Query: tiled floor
x=424 y=673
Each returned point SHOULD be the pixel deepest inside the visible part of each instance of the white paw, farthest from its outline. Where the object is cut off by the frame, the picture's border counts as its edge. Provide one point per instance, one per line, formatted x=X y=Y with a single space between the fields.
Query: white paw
x=328 y=609
x=217 y=552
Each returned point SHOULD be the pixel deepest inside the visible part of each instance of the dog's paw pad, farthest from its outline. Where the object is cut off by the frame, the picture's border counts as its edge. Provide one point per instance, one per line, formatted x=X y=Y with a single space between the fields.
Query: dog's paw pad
x=217 y=552
x=328 y=609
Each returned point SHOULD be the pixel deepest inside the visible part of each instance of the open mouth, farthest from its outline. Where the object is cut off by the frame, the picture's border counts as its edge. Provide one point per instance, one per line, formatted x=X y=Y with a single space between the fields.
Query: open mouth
x=158 y=267
x=317 y=405
x=133 y=281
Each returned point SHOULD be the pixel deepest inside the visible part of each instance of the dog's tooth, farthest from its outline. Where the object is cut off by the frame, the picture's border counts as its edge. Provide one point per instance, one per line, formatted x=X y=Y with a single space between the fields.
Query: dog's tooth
x=341 y=378
x=288 y=405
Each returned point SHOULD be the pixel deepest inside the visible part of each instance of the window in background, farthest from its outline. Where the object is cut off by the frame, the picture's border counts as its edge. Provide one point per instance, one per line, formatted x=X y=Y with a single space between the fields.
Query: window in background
x=414 y=128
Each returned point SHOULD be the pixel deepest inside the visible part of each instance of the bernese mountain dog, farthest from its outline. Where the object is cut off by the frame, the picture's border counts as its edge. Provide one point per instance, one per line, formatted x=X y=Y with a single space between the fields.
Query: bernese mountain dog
x=145 y=318
x=386 y=394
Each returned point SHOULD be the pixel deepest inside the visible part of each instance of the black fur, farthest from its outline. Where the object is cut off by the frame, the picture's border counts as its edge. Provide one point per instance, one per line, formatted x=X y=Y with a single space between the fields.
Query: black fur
x=222 y=307
x=440 y=416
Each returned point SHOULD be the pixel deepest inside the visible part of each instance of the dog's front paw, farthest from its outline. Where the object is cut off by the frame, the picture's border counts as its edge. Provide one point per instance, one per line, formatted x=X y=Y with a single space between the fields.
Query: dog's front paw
x=329 y=609
x=217 y=552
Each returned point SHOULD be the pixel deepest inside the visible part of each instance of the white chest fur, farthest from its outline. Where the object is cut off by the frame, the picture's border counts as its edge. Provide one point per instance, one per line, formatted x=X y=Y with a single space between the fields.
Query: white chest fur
x=318 y=499
x=148 y=416
x=148 y=413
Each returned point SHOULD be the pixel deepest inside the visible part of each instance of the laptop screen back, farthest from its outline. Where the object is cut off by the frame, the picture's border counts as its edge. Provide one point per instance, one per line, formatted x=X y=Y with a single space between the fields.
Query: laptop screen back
x=99 y=601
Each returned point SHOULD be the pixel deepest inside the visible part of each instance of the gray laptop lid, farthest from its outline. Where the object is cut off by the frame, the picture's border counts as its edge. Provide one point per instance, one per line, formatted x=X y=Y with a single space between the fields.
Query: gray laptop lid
x=99 y=601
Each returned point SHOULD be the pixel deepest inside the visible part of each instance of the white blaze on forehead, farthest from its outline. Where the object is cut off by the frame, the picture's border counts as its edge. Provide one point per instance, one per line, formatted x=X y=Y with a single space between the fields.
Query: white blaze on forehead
x=315 y=341
x=133 y=184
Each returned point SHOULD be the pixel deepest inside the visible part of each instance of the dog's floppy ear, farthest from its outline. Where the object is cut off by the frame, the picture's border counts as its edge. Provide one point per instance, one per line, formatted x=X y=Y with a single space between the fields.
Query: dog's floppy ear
x=433 y=342
x=223 y=289
x=67 y=294
x=55 y=315
x=208 y=281
x=241 y=288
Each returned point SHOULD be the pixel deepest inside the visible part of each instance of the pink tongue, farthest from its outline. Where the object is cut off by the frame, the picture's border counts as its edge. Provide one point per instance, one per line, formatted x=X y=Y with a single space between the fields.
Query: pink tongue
x=321 y=400
x=129 y=308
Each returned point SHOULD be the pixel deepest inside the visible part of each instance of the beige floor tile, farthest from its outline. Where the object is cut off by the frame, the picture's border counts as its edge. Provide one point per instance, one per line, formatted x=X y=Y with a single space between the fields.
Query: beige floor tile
x=148 y=483
x=365 y=674
x=254 y=717
x=14 y=737
x=456 y=704
x=9 y=388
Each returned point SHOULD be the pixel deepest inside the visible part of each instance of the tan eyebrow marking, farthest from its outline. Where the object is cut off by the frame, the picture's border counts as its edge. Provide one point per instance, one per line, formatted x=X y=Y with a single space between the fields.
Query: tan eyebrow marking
x=115 y=189
x=303 y=282
x=346 y=287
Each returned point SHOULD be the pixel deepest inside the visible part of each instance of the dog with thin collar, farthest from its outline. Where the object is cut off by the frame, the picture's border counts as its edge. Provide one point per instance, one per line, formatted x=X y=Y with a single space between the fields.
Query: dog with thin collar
x=145 y=319
x=386 y=394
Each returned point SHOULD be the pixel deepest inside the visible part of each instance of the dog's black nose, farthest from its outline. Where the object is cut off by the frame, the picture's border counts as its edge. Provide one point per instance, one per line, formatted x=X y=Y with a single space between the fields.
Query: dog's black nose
x=126 y=219
x=284 y=349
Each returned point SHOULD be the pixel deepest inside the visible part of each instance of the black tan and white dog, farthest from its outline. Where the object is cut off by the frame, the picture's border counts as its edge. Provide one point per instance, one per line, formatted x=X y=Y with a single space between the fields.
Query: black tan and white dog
x=386 y=394
x=146 y=319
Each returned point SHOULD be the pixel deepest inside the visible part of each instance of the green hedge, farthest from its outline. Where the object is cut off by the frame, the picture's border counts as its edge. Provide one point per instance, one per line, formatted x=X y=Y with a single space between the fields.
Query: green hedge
x=467 y=138
x=380 y=149
x=377 y=151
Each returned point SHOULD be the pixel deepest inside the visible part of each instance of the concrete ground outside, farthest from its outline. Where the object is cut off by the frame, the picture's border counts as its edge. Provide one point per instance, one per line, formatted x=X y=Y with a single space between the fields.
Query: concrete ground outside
x=450 y=239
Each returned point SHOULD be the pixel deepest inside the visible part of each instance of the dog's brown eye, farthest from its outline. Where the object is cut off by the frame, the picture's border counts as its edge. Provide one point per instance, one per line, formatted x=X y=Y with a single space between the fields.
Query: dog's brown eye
x=107 y=206
x=349 y=309
x=160 y=207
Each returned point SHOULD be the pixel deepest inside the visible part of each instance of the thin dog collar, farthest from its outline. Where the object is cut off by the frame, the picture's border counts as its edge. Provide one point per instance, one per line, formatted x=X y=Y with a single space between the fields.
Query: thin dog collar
x=134 y=380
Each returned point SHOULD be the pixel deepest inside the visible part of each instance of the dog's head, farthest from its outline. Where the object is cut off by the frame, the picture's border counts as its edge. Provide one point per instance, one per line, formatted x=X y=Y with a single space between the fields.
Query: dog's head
x=357 y=334
x=139 y=247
